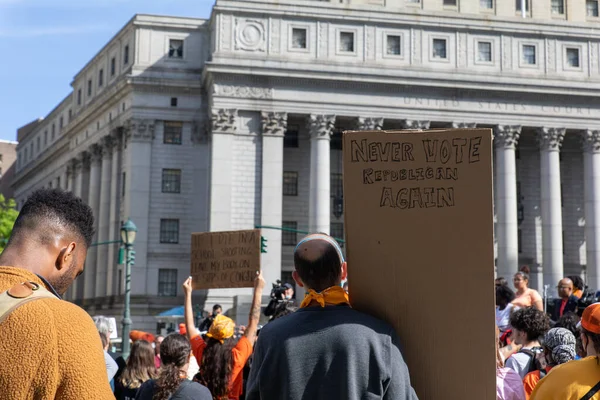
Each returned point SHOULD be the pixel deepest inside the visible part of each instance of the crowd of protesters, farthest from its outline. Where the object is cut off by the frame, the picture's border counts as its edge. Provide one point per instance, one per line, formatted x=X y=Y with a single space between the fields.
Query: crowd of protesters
x=546 y=354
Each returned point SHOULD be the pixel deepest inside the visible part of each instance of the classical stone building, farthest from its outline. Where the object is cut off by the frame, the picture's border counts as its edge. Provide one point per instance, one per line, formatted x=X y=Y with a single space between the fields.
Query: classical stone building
x=188 y=125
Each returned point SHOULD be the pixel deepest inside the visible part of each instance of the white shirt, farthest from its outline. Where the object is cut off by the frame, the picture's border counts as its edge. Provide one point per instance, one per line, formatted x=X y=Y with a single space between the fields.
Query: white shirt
x=503 y=317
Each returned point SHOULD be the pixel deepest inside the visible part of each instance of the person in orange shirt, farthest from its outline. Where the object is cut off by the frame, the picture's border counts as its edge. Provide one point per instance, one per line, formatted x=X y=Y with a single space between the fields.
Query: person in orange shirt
x=221 y=359
x=559 y=348
x=526 y=297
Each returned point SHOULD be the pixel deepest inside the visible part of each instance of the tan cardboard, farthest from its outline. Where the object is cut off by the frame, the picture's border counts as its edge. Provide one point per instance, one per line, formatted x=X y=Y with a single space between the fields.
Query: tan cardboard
x=225 y=259
x=420 y=249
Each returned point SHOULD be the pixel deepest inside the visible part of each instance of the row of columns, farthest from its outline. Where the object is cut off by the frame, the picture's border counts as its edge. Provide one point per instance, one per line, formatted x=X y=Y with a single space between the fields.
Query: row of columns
x=94 y=176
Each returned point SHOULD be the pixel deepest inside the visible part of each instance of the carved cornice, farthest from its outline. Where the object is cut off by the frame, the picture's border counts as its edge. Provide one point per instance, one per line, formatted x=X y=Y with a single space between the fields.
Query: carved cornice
x=85 y=159
x=108 y=143
x=590 y=139
x=321 y=126
x=273 y=123
x=414 y=124
x=551 y=139
x=97 y=152
x=224 y=120
x=369 y=124
x=464 y=125
x=243 y=91
x=199 y=132
x=507 y=136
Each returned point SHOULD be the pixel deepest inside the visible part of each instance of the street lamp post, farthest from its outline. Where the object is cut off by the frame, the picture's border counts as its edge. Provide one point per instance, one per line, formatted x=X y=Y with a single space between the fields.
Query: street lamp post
x=128 y=232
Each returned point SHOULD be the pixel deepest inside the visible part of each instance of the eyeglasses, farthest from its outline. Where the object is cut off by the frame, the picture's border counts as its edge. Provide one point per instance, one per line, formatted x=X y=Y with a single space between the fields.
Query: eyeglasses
x=563 y=287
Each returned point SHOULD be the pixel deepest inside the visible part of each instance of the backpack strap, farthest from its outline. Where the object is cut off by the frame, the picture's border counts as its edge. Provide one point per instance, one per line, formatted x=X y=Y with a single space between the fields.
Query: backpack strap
x=20 y=294
x=592 y=392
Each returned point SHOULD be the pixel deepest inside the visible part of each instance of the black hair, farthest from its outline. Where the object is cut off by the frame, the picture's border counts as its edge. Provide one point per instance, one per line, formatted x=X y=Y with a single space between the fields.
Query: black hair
x=318 y=264
x=569 y=321
x=286 y=308
x=504 y=292
x=216 y=307
x=501 y=281
x=48 y=208
x=533 y=322
x=174 y=354
x=577 y=281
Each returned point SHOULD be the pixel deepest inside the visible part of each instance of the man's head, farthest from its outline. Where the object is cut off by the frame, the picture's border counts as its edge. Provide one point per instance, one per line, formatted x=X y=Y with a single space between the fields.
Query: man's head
x=319 y=263
x=289 y=291
x=51 y=236
x=590 y=329
x=504 y=295
x=529 y=324
x=217 y=309
x=500 y=282
x=565 y=288
x=103 y=326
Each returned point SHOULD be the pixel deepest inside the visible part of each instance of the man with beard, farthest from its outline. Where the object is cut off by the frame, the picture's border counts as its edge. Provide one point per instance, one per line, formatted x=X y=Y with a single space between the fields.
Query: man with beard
x=49 y=348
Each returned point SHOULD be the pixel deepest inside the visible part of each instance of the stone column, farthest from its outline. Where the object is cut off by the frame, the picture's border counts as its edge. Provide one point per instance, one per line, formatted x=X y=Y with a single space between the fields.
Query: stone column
x=78 y=164
x=591 y=180
x=140 y=134
x=464 y=125
x=550 y=140
x=273 y=130
x=103 y=222
x=91 y=269
x=506 y=139
x=414 y=124
x=320 y=129
x=369 y=124
x=114 y=220
x=223 y=126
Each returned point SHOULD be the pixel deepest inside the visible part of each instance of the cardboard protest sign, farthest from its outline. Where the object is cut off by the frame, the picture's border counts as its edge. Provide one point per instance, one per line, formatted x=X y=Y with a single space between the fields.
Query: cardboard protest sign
x=225 y=259
x=420 y=247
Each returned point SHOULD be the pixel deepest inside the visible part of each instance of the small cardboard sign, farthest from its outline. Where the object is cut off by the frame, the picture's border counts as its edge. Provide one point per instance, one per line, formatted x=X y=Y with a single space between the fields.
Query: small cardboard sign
x=113 y=328
x=225 y=259
x=420 y=250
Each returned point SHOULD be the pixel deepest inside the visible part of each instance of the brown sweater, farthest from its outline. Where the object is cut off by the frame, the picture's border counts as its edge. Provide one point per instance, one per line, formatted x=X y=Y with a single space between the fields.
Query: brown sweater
x=49 y=349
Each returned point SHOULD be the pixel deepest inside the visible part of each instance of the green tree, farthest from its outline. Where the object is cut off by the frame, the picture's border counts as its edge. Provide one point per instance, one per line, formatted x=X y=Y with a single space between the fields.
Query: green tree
x=8 y=215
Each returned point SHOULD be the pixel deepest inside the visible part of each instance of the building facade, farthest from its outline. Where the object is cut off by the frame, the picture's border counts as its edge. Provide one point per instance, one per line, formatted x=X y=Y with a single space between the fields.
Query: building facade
x=188 y=125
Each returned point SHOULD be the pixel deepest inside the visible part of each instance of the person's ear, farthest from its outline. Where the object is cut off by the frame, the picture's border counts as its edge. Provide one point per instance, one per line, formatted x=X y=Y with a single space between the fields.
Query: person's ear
x=65 y=256
x=344 y=271
x=297 y=279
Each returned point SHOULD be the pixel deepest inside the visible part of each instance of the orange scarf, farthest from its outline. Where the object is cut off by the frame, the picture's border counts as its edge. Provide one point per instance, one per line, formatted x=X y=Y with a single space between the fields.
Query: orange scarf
x=332 y=296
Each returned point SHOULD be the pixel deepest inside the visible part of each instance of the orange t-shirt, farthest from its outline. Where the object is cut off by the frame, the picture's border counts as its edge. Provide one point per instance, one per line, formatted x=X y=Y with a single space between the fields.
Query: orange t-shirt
x=527 y=299
x=531 y=380
x=241 y=353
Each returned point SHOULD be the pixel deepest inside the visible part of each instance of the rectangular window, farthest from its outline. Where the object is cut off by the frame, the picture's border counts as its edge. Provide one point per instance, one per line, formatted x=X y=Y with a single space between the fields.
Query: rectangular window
x=169 y=231
x=592 y=8
x=414 y=1
x=573 y=57
x=486 y=4
x=37 y=145
x=113 y=66
x=126 y=55
x=558 y=7
x=520 y=240
x=58 y=182
x=439 y=48
x=173 y=101
x=52 y=132
x=79 y=96
x=394 y=45
x=60 y=123
x=298 y=38
x=175 y=48
x=167 y=282
x=45 y=137
x=337 y=231
x=289 y=238
x=347 y=42
x=123 y=185
x=519 y=8
x=70 y=115
x=484 y=51
x=529 y=57
x=89 y=88
x=101 y=78
x=290 y=183
x=450 y=3
x=290 y=139
x=173 y=132
x=336 y=185
x=171 y=181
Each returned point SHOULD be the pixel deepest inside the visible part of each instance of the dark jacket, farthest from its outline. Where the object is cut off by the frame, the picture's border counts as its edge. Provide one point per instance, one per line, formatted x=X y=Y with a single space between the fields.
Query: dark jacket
x=570 y=307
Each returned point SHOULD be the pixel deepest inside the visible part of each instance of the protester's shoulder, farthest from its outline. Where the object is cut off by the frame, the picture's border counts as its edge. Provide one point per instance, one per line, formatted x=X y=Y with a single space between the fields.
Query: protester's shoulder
x=146 y=391
x=196 y=391
x=572 y=367
x=76 y=316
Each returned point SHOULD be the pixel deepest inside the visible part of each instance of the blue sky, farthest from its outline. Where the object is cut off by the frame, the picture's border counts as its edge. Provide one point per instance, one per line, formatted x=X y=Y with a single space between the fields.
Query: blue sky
x=44 y=43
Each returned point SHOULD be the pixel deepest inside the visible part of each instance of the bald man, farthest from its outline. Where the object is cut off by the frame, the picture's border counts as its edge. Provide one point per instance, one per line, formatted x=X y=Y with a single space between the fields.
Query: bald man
x=566 y=302
x=327 y=350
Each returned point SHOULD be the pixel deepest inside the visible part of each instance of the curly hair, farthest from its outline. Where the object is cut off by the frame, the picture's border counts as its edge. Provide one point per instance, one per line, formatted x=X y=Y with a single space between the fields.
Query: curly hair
x=174 y=354
x=140 y=365
x=533 y=322
x=54 y=207
x=216 y=367
x=569 y=321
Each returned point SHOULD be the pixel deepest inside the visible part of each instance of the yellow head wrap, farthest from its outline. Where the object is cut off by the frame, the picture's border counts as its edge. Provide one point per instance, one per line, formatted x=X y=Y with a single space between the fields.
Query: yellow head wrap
x=221 y=328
